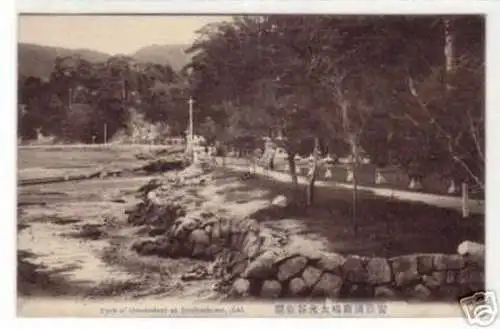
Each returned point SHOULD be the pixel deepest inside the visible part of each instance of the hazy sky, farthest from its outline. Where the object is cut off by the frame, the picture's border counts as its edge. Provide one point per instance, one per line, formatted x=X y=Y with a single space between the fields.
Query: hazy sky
x=111 y=34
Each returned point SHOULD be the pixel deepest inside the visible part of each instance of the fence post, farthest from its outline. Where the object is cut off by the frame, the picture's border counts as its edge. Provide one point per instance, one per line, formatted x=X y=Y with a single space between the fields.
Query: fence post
x=465 y=200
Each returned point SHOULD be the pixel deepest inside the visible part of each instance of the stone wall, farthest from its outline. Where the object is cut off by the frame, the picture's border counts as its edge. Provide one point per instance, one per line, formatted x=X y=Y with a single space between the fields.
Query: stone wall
x=252 y=260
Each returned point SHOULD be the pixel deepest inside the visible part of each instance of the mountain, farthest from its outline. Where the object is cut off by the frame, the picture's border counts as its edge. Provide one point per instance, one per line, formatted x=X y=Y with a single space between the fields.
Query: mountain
x=37 y=60
x=164 y=54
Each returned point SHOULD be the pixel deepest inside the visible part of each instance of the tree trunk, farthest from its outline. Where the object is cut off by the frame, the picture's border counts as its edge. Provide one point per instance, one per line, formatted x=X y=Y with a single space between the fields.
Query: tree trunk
x=293 y=170
x=354 y=150
x=449 y=48
x=312 y=178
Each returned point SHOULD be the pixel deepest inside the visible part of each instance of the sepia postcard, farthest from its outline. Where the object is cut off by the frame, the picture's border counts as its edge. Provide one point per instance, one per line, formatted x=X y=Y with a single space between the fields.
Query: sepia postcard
x=275 y=165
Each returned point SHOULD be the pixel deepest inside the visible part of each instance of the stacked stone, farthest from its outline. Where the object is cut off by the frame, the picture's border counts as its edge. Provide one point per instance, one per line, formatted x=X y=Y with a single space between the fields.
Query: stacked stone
x=280 y=273
x=277 y=274
x=256 y=261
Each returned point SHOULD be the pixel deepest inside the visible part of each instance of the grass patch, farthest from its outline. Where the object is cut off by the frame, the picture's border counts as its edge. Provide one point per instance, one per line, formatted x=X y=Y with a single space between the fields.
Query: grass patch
x=385 y=227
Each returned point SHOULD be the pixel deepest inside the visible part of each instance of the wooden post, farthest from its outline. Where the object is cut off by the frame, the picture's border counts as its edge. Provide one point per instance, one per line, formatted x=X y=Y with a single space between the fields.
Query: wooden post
x=465 y=200
x=105 y=134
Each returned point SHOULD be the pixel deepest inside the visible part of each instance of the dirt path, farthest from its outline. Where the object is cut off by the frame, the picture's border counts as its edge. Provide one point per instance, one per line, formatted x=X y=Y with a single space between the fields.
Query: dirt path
x=449 y=202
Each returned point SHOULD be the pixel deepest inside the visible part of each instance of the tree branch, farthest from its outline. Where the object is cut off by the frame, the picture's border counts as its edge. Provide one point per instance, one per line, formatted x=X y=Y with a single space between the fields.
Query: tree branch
x=447 y=135
x=472 y=130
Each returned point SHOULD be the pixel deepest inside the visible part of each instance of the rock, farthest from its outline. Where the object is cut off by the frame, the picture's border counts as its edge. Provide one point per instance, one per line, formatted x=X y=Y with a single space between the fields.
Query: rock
x=208 y=229
x=291 y=267
x=249 y=225
x=434 y=280
x=471 y=248
x=450 y=277
x=270 y=289
x=225 y=228
x=354 y=270
x=331 y=262
x=311 y=276
x=240 y=288
x=297 y=287
x=185 y=225
x=421 y=292
x=238 y=268
x=425 y=264
x=262 y=267
x=216 y=232
x=384 y=292
x=235 y=257
x=241 y=240
x=379 y=271
x=470 y=276
x=474 y=252
x=448 y=262
x=200 y=241
x=297 y=246
x=405 y=269
x=175 y=249
x=163 y=248
x=329 y=285
x=360 y=291
x=213 y=250
x=251 y=245
x=235 y=237
x=280 y=201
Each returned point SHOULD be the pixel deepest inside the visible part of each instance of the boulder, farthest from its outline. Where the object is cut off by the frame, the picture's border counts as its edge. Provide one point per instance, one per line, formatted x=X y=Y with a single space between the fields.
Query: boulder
x=216 y=232
x=354 y=269
x=448 y=262
x=238 y=268
x=280 y=201
x=251 y=245
x=200 y=241
x=470 y=276
x=263 y=267
x=270 y=289
x=434 y=280
x=379 y=271
x=311 y=276
x=474 y=251
x=240 y=288
x=425 y=264
x=384 y=292
x=360 y=290
x=331 y=262
x=291 y=267
x=184 y=226
x=297 y=287
x=329 y=285
x=451 y=277
x=405 y=269
x=420 y=292
x=225 y=229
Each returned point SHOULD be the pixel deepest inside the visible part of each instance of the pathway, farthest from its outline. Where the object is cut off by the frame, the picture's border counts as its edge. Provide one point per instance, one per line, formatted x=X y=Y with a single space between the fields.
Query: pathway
x=443 y=201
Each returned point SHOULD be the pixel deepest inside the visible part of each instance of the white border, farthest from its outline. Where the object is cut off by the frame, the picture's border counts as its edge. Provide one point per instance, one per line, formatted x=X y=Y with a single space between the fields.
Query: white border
x=8 y=26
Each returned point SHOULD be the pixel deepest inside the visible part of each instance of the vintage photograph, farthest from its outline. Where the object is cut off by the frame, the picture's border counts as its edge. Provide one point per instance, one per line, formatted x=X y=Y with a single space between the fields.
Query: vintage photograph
x=300 y=161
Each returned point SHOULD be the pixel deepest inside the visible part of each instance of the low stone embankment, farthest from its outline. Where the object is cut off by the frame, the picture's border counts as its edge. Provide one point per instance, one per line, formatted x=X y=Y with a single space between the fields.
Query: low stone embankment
x=252 y=260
